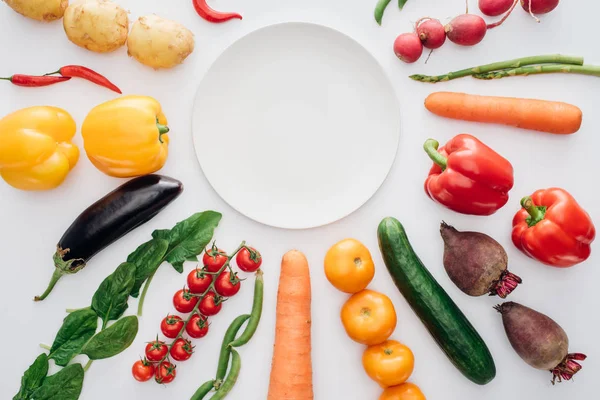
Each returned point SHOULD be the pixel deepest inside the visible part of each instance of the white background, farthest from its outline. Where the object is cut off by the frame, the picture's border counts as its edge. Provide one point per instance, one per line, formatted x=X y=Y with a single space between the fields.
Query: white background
x=32 y=223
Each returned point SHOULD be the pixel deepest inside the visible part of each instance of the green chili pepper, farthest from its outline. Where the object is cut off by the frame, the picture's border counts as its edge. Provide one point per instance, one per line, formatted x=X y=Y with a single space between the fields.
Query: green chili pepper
x=255 y=314
x=226 y=349
x=234 y=372
x=203 y=390
x=380 y=9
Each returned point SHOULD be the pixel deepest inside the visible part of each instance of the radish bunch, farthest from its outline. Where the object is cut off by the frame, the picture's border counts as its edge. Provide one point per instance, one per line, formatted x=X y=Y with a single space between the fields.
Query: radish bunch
x=464 y=30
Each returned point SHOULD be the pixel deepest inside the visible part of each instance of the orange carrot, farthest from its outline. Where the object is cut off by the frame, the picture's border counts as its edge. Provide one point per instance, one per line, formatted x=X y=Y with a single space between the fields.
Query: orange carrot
x=291 y=370
x=537 y=115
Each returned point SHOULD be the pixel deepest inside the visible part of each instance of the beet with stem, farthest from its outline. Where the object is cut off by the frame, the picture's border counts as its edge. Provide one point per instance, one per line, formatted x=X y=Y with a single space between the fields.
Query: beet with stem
x=431 y=32
x=493 y=8
x=476 y=263
x=466 y=30
x=408 y=47
x=539 y=341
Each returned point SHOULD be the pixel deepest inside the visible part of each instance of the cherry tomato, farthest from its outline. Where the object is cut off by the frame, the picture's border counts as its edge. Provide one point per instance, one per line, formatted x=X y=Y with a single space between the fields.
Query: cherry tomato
x=197 y=326
x=181 y=350
x=248 y=261
x=142 y=370
x=389 y=363
x=183 y=301
x=211 y=304
x=198 y=281
x=156 y=350
x=171 y=326
x=214 y=259
x=227 y=285
x=369 y=317
x=406 y=391
x=349 y=266
x=165 y=372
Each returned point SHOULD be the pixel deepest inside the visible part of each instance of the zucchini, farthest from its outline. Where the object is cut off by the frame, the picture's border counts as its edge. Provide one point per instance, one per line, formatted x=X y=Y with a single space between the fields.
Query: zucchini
x=441 y=316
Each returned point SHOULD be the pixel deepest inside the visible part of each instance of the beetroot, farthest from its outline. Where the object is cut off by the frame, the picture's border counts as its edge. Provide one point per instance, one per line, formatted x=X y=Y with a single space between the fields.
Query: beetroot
x=431 y=32
x=476 y=263
x=539 y=341
x=493 y=8
x=539 y=6
x=466 y=29
x=408 y=47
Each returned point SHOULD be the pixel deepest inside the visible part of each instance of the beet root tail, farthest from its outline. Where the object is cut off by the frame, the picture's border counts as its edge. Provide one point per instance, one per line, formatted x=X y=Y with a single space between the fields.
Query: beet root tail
x=569 y=367
x=505 y=285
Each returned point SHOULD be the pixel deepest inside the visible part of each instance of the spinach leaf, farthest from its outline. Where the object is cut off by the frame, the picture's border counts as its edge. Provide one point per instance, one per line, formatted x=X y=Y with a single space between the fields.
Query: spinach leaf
x=112 y=340
x=147 y=258
x=66 y=384
x=189 y=237
x=110 y=300
x=77 y=328
x=33 y=378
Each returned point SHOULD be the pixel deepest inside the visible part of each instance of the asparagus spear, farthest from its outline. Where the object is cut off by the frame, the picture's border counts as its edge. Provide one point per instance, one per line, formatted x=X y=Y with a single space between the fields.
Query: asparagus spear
x=541 y=69
x=516 y=63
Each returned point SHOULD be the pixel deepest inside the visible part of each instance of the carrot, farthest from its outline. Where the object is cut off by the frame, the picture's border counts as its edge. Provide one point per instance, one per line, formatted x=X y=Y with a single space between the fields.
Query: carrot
x=537 y=115
x=291 y=370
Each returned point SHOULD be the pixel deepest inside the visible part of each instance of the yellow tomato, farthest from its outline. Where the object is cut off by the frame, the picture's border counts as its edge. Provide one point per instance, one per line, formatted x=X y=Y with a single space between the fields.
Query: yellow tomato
x=369 y=317
x=406 y=391
x=389 y=363
x=349 y=266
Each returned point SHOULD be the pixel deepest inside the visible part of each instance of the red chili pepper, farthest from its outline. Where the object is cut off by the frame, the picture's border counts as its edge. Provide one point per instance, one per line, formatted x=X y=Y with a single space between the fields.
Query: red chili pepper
x=34 y=81
x=552 y=228
x=468 y=177
x=211 y=15
x=77 y=71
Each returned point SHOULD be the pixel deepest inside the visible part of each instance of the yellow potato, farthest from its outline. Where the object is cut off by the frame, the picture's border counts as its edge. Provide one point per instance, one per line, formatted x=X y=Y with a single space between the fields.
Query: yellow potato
x=159 y=42
x=97 y=25
x=42 y=10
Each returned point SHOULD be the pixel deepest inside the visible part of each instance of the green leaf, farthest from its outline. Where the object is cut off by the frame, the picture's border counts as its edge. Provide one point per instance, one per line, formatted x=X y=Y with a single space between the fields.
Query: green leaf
x=33 y=378
x=66 y=384
x=147 y=258
x=401 y=3
x=189 y=237
x=110 y=300
x=112 y=340
x=77 y=328
x=162 y=234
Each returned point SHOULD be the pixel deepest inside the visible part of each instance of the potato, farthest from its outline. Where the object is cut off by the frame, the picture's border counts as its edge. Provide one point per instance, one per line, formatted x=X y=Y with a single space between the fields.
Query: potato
x=42 y=10
x=97 y=25
x=159 y=42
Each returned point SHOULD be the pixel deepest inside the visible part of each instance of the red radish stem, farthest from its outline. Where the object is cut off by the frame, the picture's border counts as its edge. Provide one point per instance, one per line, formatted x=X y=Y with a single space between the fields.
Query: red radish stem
x=493 y=8
x=498 y=23
x=408 y=47
x=431 y=32
x=539 y=6
x=466 y=30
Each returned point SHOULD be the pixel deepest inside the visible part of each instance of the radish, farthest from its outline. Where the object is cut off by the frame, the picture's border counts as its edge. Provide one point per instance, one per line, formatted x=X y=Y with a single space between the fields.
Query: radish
x=408 y=47
x=539 y=341
x=466 y=30
x=476 y=263
x=431 y=32
x=493 y=8
x=539 y=6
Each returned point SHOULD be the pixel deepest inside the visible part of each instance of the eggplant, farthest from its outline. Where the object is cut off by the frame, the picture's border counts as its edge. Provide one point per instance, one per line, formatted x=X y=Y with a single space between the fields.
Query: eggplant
x=110 y=218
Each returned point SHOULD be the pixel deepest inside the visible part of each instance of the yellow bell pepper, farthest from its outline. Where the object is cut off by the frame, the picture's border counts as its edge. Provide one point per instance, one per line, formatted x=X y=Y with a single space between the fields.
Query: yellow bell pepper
x=127 y=136
x=36 y=152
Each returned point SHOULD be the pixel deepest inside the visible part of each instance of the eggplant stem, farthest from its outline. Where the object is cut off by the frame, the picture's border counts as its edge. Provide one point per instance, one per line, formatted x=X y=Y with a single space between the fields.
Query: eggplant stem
x=55 y=277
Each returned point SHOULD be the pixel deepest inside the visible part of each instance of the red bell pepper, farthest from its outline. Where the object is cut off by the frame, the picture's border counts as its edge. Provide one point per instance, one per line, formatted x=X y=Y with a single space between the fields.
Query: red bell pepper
x=552 y=228
x=468 y=176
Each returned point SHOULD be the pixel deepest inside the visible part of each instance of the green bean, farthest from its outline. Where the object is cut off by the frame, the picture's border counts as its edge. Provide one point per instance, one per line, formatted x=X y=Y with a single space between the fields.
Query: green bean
x=254 y=315
x=401 y=3
x=379 y=10
x=234 y=372
x=226 y=349
x=203 y=390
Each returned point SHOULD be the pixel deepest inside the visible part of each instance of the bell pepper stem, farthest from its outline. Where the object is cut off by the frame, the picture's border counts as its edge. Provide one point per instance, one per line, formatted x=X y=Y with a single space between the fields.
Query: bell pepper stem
x=55 y=277
x=431 y=148
x=162 y=129
x=536 y=213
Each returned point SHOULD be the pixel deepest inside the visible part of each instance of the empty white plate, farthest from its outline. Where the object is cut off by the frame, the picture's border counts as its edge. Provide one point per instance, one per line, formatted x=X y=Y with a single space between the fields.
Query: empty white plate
x=296 y=125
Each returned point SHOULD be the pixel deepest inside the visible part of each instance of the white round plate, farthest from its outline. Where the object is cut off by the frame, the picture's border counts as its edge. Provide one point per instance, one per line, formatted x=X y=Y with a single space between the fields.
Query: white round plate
x=296 y=125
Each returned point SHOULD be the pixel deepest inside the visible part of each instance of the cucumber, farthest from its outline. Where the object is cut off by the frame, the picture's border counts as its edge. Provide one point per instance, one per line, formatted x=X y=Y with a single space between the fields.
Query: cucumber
x=441 y=316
